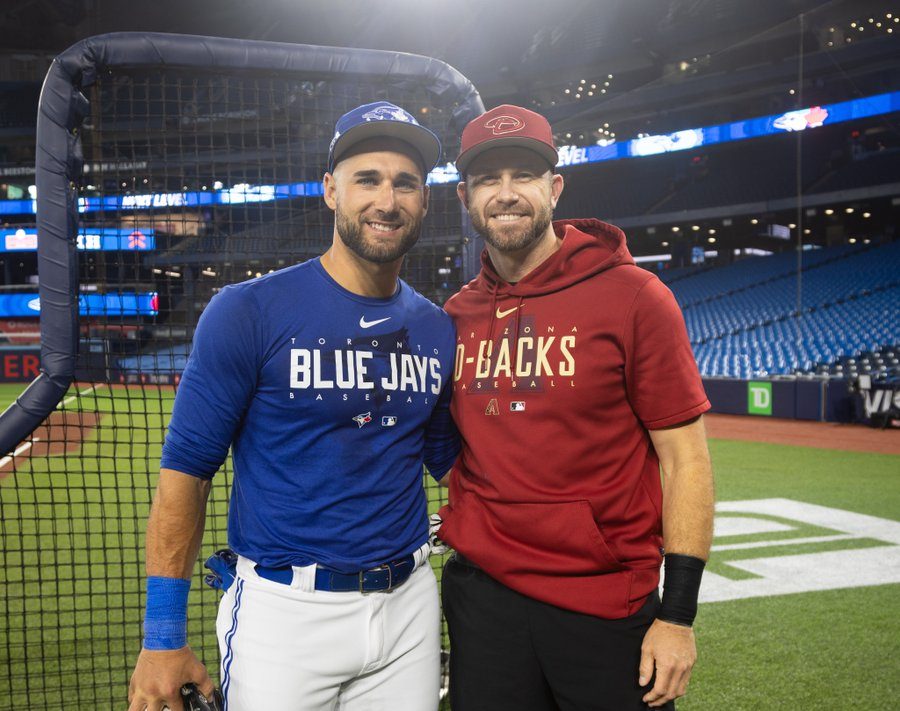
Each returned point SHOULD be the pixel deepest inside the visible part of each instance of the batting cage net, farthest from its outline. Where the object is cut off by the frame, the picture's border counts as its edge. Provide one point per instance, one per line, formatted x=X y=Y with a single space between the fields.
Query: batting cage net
x=168 y=166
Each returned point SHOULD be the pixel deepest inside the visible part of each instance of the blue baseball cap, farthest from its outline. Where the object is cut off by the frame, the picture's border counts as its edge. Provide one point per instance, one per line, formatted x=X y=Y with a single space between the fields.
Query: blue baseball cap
x=382 y=119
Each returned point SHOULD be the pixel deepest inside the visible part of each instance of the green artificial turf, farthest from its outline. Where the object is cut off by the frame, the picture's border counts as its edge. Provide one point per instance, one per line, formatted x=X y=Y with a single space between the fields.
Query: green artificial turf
x=71 y=571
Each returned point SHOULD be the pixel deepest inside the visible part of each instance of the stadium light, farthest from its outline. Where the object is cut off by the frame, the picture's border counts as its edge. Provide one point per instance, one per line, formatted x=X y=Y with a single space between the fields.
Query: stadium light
x=849 y=210
x=711 y=240
x=695 y=228
x=676 y=228
x=867 y=215
x=754 y=221
x=852 y=240
x=829 y=211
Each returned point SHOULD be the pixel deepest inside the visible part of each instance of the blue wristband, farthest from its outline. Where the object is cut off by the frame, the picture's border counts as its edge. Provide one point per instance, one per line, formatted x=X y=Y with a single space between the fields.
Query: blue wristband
x=165 y=622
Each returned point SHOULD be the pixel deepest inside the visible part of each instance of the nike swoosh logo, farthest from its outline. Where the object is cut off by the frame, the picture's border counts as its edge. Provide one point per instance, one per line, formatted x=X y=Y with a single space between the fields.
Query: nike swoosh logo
x=368 y=324
x=507 y=312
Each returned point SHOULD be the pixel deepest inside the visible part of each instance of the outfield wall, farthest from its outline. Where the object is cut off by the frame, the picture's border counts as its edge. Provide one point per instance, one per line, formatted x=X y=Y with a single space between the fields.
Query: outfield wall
x=835 y=400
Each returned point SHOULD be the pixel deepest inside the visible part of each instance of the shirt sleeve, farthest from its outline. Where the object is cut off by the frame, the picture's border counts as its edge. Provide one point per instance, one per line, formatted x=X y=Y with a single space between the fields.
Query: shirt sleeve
x=441 y=436
x=217 y=385
x=661 y=376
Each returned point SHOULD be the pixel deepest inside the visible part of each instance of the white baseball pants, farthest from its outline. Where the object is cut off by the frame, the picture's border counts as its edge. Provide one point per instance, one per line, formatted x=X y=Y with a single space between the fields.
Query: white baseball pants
x=294 y=648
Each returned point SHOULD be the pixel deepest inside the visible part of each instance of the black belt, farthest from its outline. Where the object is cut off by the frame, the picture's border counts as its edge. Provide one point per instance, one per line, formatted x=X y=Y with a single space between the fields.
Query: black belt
x=384 y=578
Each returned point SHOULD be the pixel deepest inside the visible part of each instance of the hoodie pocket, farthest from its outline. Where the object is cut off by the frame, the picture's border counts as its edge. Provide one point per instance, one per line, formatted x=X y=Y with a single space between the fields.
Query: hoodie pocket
x=561 y=538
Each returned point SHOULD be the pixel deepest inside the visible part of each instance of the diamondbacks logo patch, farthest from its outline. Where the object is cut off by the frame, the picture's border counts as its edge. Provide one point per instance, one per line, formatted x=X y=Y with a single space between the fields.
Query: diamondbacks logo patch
x=363 y=419
x=492 y=407
x=502 y=124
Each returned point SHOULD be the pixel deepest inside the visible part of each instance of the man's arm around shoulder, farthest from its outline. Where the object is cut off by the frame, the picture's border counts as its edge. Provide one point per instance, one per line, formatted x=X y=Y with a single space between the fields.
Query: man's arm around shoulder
x=174 y=534
x=669 y=647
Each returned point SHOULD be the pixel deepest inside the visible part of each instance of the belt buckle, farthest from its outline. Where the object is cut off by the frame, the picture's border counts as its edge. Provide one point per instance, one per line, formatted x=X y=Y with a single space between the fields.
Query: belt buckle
x=383 y=566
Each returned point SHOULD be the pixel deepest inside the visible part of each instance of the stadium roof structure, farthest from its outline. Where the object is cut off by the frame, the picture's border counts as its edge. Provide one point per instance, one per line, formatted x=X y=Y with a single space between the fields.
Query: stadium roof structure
x=603 y=71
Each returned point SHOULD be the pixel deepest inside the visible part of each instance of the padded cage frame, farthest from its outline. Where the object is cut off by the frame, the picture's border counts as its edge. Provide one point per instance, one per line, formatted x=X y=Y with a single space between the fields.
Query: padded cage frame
x=73 y=506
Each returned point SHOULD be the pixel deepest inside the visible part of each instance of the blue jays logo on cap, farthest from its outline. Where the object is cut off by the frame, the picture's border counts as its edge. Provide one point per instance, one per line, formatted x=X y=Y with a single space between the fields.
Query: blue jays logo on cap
x=389 y=112
x=383 y=119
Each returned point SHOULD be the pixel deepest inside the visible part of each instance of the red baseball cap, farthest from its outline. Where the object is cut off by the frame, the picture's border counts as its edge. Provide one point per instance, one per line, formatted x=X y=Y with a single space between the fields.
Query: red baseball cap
x=506 y=125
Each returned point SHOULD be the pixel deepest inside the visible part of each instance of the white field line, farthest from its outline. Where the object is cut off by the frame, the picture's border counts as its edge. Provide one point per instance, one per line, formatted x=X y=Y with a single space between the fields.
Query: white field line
x=24 y=447
x=782 y=542
x=86 y=391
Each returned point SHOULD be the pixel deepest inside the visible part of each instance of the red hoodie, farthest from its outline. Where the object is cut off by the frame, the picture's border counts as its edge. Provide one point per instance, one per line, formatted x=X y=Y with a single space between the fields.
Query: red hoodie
x=557 y=491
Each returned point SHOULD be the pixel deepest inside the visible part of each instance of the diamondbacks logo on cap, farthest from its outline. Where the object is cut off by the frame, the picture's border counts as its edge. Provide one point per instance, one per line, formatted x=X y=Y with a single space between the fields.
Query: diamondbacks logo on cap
x=504 y=124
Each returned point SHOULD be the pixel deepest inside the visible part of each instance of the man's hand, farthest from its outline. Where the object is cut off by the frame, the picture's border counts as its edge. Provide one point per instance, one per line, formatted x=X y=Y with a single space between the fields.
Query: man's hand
x=670 y=650
x=159 y=676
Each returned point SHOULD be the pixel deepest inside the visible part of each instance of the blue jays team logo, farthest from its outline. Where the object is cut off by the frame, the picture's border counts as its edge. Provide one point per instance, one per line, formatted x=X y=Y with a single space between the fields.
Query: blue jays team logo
x=383 y=112
x=363 y=418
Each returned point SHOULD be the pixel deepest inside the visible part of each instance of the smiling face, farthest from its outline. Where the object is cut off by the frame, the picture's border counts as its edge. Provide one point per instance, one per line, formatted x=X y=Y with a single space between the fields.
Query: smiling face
x=379 y=197
x=510 y=194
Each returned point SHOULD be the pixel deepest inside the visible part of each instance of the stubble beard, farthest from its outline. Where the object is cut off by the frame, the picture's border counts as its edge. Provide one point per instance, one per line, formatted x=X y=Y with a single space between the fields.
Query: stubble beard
x=505 y=240
x=350 y=232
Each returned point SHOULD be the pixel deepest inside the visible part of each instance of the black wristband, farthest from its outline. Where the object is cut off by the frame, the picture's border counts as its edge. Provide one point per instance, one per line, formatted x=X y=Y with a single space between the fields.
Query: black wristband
x=681 y=589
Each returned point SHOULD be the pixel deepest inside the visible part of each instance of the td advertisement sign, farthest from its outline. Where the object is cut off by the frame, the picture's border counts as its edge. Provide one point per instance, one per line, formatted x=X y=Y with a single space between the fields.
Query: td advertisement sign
x=759 y=398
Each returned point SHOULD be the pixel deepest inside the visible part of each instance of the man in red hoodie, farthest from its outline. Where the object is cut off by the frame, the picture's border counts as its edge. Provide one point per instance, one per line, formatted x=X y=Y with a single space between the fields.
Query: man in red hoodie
x=574 y=384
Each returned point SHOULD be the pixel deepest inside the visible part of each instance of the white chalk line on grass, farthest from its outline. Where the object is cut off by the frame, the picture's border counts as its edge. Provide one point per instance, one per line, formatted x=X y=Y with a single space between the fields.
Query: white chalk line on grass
x=86 y=391
x=24 y=447
x=785 y=542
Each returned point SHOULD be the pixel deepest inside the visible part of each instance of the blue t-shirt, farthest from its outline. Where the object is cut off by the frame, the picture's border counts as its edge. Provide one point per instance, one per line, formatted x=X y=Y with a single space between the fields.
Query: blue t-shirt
x=331 y=403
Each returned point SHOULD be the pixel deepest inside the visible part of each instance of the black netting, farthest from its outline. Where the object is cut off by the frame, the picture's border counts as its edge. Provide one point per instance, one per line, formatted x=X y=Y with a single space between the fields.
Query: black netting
x=192 y=180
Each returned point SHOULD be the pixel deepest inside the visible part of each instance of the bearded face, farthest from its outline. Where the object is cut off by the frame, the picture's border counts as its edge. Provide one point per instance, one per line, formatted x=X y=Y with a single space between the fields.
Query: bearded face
x=377 y=236
x=510 y=195
x=379 y=198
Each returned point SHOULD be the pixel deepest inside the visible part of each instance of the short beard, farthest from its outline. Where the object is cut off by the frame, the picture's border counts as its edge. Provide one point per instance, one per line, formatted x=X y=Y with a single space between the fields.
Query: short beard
x=350 y=233
x=517 y=241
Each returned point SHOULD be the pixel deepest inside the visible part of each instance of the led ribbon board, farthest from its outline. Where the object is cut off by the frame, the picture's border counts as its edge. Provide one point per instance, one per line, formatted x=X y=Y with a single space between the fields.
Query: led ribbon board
x=27 y=304
x=104 y=239
x=792 y=121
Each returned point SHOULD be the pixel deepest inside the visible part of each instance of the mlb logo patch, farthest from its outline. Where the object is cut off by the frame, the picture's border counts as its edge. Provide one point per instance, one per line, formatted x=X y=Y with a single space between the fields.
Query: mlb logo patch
x=388 y=421
x=517 y=406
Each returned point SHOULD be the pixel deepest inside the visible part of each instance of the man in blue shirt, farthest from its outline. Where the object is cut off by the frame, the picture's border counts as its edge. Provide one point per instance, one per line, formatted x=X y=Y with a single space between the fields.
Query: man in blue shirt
x=330 y=381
